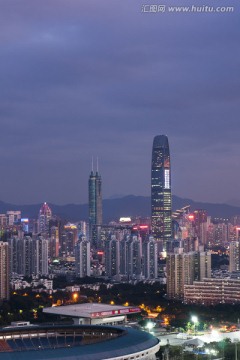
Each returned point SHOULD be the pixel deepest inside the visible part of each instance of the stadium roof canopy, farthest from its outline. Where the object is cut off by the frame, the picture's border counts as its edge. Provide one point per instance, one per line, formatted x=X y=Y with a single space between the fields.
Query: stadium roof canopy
x=69 y=343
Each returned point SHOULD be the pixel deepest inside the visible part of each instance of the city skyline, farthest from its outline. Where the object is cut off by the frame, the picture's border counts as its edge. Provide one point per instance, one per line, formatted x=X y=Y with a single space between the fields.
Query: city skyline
x=76 y=83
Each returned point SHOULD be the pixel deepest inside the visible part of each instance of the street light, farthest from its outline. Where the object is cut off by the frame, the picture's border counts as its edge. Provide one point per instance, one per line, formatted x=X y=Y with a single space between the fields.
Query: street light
x=236 y=349
x=75 y=297
x=215 y=335
x=211 y=352
x=149 y=326
x=195 y=321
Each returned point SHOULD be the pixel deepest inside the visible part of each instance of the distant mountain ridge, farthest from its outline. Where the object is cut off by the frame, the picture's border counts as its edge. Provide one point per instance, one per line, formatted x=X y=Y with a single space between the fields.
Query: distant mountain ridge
x=233 y=202
x=113 y=209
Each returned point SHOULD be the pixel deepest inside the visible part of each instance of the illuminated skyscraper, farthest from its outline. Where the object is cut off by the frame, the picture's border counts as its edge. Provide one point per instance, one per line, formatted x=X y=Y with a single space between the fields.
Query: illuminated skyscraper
x=95 y=206
x=44 y=217
x=161 y=197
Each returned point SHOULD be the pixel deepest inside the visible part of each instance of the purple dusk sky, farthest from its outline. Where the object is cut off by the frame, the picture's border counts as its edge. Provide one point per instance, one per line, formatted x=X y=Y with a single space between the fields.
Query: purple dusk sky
x=99 y=77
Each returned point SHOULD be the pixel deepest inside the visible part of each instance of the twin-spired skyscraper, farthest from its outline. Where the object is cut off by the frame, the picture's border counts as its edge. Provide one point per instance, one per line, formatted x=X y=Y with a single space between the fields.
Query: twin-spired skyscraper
x=95 y=206
x=161 y=196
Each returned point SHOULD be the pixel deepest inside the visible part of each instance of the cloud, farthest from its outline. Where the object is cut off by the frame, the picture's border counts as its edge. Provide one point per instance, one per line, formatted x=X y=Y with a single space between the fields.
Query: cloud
x=82 y=78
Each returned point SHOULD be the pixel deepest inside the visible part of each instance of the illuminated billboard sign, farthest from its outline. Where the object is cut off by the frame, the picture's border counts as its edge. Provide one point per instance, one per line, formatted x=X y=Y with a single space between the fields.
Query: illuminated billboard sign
x=167 y=178
x=125 y=219
x=116 y=312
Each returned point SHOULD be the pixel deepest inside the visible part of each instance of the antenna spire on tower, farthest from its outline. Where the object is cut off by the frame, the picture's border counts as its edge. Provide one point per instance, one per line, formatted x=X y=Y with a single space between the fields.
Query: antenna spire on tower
x=97 y=163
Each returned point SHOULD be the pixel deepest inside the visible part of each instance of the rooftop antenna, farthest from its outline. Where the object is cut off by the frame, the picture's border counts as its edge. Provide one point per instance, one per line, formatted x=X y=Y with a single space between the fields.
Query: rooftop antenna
x=97 y=163
x=92 y=163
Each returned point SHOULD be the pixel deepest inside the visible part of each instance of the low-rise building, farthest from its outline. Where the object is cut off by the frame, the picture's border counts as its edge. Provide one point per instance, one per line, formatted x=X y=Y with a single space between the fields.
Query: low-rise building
x=94 y=313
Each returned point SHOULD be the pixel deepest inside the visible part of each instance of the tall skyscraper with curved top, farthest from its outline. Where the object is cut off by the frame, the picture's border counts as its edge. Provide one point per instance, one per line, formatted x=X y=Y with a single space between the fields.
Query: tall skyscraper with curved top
x=161 y=196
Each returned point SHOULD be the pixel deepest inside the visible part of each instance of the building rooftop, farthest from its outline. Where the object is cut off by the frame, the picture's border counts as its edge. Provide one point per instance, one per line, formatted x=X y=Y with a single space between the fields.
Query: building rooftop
x=92 y=310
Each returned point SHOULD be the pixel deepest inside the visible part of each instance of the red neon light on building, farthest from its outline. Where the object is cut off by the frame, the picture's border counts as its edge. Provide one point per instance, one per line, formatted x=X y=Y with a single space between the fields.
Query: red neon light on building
x=140 y=227
x=143 y=226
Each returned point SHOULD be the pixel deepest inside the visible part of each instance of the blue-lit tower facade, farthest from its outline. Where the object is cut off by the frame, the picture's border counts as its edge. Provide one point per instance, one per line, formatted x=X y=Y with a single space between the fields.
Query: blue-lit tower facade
x=95 y=206
x=161 y=196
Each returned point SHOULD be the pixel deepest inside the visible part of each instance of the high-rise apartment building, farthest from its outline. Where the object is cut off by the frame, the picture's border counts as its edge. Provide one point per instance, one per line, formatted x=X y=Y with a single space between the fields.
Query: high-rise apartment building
x=174 y=269
x=134 y=258
x=95 y=207
x=54 y=242
x=82 y=228
x=13 y=217
x=199 y=218
x=128 y=257
x=82 y=258
x=184 y=268
x=4 y=271
x=112 y=257
x=28 y=256
x=150 y=259
x=14 y=254
x=69 y=238
x=40 y=248
x=161 y=196
x=123 y=255
x=234 y=256
x=3 y=220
